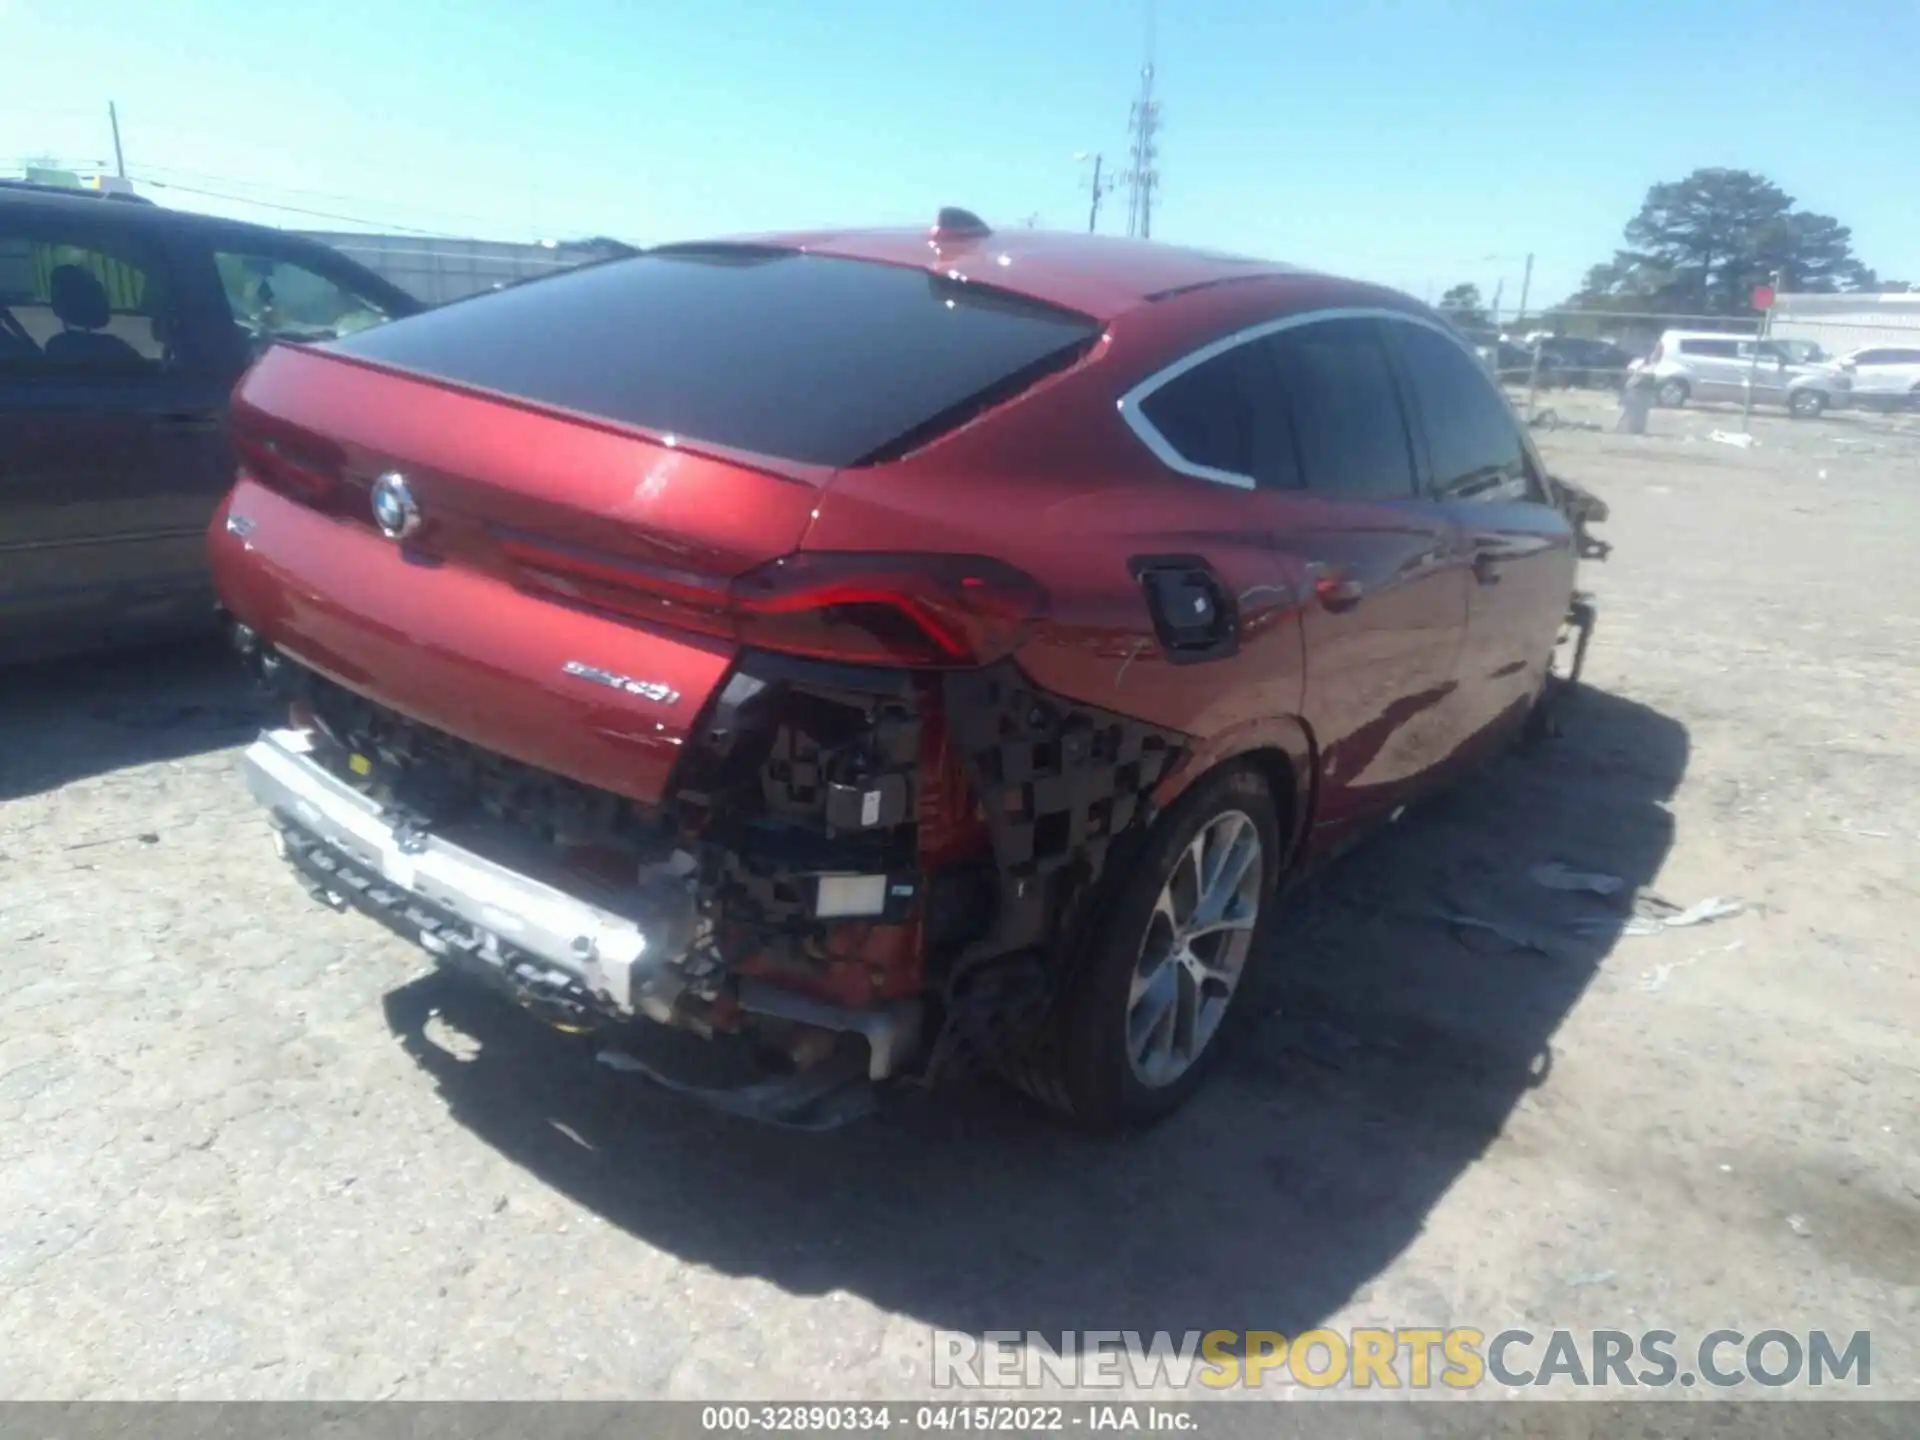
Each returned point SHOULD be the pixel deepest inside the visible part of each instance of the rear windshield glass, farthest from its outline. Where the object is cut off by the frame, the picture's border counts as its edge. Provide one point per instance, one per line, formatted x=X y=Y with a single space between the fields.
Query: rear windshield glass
x=801 y=357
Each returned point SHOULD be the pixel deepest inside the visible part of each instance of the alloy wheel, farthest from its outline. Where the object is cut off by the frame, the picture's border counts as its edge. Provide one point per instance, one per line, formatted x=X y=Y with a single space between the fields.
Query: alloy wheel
x=1194 y=949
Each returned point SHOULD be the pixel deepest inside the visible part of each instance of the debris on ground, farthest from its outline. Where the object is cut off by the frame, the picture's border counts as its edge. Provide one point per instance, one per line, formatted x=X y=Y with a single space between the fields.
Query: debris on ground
x=1798 y=1225
x=1590 y=1277
x=1729 y=437
x=1654 y=914
x=1549 y=419
x=1714 y=907
x=1653 y=981
x=1516 y=934
x=1556 y=876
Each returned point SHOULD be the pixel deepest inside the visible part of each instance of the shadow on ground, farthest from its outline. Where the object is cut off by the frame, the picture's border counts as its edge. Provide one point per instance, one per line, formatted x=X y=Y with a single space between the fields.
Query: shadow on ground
x=1388 y=1055
x=65 y=720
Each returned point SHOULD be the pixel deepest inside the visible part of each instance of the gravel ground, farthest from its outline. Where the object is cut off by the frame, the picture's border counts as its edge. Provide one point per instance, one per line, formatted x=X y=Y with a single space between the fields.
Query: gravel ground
x=250 y=1148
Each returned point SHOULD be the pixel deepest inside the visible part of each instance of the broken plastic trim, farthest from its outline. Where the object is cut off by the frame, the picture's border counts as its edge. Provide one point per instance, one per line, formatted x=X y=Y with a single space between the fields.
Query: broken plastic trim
x=1060 y=785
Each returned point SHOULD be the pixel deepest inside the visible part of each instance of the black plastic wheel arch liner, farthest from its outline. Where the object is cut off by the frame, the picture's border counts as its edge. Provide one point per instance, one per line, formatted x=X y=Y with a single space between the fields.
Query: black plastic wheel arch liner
x=1060 y=784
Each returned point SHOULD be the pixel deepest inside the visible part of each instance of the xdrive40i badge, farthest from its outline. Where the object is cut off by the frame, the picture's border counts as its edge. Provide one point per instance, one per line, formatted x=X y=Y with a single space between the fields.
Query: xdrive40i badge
x=647 y=689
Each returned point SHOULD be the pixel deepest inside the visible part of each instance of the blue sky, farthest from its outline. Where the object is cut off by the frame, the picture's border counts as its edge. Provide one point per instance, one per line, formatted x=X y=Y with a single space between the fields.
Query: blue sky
x=1414 y=143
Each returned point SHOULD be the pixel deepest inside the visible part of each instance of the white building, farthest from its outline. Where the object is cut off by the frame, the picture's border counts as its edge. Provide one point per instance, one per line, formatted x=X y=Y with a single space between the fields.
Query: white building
x=1840 y=323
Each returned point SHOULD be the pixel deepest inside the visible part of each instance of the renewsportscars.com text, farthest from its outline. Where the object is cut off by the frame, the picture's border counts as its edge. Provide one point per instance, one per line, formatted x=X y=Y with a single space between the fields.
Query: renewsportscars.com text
x=1405 y=1358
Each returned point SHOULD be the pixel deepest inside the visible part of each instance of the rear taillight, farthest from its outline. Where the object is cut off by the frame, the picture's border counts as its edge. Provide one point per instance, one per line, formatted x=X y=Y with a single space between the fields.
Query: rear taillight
x=940 y=611
x=935 y=610
x=305 y=470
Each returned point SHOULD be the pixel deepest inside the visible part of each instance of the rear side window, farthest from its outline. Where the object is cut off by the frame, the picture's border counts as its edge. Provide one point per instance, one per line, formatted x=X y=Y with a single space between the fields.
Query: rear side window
x=1226 y=419
x=81 y=303
x=1720 y=349
x=1206 y=415
x=1473 y=443
x=800 y=357
x=1346 y=411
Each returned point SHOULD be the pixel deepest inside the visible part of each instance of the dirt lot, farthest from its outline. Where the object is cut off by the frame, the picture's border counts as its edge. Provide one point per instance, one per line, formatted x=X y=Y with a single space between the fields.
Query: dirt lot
x=252 y=1148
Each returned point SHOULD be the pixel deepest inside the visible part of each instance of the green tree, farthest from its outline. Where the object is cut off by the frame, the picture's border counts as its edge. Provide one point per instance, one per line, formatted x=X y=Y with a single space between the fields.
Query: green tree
x=1700 y=245
x=1463 y=305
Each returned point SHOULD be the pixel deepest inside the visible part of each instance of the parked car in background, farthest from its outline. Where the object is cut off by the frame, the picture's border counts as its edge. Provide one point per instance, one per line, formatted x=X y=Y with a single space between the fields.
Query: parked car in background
x=896 y=652
x=1885 y=377
x=1705 y=366
x=1571 y=360
x=123 y=328
x=1800 y=352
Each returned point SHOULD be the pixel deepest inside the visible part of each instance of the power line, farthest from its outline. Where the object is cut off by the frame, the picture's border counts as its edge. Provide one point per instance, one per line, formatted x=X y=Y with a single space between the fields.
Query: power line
x=233 y=182
x=289 y=209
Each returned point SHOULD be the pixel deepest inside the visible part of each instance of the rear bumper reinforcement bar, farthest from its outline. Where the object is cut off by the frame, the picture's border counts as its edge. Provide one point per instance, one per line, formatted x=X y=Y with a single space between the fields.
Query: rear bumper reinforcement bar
x=507 y=912
x=485 y=918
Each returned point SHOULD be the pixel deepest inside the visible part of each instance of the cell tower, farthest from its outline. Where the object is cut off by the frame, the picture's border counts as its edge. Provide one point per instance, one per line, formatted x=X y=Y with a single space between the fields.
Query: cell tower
x=1143 y=152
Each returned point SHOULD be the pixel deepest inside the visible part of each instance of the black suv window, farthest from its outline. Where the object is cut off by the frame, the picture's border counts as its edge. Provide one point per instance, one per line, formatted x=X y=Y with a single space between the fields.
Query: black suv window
x=1473 y=443
x=804 y=357
x=272 y=297
x=1346 y=410
x=1226 y=419
x=76 y=303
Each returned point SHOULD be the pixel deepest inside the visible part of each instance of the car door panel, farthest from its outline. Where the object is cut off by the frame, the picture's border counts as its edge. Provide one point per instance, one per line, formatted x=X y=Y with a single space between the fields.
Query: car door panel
x=1520 y=557
x=1718 y=376
x=1383 y=624
x=1515 y=550
x=108 y=474
x=1764 y=367
x=1385 y=611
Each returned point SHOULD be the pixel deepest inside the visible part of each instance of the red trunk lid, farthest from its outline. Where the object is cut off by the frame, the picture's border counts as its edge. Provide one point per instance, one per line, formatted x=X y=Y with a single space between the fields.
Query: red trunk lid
x=447 y=627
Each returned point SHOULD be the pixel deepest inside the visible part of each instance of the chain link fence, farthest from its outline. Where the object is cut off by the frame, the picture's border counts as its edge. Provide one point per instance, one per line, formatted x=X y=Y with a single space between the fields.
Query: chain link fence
x=436 y=270
x=1812 y=356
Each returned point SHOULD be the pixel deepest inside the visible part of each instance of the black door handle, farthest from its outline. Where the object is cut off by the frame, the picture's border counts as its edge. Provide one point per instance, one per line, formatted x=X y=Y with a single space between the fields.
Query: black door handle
x=1335 y=589
x=193 y=420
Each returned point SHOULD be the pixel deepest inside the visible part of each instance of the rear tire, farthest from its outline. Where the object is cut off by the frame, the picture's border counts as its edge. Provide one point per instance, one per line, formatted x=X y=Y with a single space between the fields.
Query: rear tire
x=1806 y=404
x=1672 y=394
x=1144 y=1014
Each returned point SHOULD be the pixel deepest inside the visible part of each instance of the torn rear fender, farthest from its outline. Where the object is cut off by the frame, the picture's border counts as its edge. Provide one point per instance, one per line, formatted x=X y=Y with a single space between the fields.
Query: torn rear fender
x=1276 y=742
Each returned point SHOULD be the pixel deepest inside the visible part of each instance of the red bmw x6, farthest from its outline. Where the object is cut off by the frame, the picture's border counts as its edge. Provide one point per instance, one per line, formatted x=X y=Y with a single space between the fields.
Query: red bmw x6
x=882 y=652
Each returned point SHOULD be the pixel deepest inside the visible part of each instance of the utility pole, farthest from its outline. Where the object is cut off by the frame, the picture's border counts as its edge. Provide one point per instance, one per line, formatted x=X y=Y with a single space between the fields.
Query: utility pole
x=1102 y=186
x=1143 y=177
x=1526 y=284
x=119 y=159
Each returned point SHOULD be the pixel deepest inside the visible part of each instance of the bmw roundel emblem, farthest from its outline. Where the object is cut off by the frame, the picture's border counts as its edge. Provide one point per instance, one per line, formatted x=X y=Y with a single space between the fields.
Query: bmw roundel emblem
x=394 y=510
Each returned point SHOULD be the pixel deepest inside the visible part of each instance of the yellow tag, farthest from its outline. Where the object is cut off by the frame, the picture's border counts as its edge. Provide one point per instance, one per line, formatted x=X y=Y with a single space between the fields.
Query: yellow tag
x=360 y=764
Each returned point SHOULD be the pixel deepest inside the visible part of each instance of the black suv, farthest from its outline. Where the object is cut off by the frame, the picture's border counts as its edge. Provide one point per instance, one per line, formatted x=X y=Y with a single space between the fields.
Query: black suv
x=123 y=327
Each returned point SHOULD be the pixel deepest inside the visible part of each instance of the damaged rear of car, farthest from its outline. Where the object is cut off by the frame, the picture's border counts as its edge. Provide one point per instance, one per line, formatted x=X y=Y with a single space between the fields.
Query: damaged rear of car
x=572 y=704
x=883 y=654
